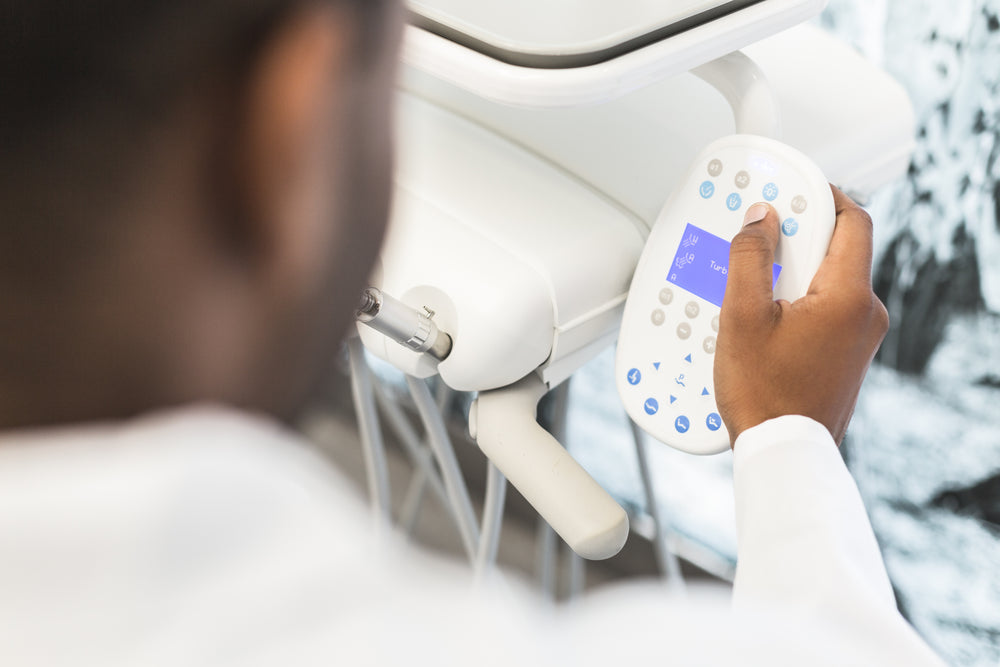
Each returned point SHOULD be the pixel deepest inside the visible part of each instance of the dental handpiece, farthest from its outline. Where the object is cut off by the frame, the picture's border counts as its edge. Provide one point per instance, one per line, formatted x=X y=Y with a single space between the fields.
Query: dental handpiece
x=407 y=326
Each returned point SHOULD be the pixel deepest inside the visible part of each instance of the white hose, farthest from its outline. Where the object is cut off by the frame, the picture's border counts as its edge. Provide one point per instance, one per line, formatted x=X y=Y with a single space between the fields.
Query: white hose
x=437 y=434
x=670 y=566
x=489 y=538
x=372 y=444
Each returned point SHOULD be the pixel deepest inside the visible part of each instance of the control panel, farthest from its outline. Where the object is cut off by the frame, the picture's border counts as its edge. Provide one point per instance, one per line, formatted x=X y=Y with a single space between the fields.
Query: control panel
x=666 y=349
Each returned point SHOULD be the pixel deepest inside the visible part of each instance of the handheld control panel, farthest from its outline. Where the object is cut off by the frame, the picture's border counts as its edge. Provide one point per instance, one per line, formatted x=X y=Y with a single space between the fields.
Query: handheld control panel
x=666 y=348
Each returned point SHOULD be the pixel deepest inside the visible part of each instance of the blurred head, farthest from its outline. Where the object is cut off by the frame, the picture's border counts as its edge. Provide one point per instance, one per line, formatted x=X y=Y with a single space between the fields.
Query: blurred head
x=191 y=195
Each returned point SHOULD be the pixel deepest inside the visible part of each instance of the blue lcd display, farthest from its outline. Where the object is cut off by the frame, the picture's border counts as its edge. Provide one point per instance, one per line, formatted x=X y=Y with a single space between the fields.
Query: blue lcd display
x=701 y=265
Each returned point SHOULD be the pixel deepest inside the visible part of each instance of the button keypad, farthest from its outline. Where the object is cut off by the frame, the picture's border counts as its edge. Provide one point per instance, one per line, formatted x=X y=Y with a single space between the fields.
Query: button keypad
x=680 y=396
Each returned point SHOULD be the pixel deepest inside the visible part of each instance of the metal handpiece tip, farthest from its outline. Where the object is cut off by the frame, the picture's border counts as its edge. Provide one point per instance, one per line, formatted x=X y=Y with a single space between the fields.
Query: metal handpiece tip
x=368 y=304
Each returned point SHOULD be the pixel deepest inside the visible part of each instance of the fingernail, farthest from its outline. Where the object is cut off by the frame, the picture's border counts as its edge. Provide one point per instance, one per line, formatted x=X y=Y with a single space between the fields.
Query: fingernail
x=755 y=213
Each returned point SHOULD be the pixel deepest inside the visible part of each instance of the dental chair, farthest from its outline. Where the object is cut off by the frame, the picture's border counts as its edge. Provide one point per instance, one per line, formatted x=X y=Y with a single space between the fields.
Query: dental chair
x=537 y=142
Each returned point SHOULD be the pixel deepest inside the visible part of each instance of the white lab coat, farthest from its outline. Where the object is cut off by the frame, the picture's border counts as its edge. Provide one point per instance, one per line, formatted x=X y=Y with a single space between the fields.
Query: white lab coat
x=208 y=537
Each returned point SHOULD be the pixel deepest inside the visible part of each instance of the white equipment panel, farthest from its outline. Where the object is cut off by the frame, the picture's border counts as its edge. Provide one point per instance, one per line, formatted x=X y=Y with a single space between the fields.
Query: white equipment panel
x=566 y=53
x=565 y=34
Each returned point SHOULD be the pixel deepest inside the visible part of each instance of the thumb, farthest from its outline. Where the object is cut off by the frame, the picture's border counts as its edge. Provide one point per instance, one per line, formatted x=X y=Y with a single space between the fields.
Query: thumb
x=749 y=290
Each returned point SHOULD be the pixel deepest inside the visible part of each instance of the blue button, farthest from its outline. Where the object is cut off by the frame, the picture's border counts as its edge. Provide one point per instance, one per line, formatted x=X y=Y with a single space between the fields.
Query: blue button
x=704 y=391
x=733 y=202
x=789 y=227
x=770 y=192
x=682 y=424
x=634 y=376
x=707 y=189
x=673 y=399
x=651 y=406
x=656 y=365
x=713 y=422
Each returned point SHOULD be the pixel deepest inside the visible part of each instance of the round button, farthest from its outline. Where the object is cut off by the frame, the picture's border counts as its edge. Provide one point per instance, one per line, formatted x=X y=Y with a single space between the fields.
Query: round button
x=666 y=296
x=742 y=180
x=799 y=203
x=715 y=168
x=734 y=201
x=715 y=324
x=682 y=424
x=651 y=406
x=634 y=376
x=683 y=330
x=706 y=189
x=770 y=192
x=709 y=345
x=789 y=227
x=713 y=422
x=692 y=309
x=657 y=317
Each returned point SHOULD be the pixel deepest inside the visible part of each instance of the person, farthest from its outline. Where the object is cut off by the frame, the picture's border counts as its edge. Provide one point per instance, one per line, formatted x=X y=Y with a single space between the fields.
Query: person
x=193 y=194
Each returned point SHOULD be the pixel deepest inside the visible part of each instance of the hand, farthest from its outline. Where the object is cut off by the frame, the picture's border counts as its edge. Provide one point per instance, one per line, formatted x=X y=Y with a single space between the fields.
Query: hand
x=809 y=357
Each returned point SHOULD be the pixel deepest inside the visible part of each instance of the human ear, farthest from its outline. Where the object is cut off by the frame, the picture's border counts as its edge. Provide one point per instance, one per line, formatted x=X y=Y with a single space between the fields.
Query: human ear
x=287 y=147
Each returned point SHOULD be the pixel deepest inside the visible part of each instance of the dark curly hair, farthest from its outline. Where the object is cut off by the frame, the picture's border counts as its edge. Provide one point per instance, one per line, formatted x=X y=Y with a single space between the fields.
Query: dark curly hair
x=58 y=57
x=84 y=82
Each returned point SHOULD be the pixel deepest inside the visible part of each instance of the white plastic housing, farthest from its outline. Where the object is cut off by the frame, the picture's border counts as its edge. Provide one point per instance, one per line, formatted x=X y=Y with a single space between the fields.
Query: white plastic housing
x=517 y=258
x=550 y=29
x=578 y=509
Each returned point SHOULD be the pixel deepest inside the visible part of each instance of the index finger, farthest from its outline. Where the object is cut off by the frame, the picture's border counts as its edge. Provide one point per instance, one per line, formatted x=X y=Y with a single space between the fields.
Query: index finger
x=849 y=257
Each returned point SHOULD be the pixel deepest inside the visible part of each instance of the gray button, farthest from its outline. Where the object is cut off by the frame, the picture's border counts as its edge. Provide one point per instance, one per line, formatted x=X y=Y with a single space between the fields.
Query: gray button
x=692 y=309
x=742 y=179
x=714 y=167
x=657 y=317
x=683 y=330
x=666 y=296
x=715 y=324
x=709 y=345
x=799 y=203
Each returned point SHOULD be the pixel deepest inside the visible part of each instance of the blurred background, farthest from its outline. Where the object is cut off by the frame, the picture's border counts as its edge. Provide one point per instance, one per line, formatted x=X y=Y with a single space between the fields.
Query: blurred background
x=925 y=444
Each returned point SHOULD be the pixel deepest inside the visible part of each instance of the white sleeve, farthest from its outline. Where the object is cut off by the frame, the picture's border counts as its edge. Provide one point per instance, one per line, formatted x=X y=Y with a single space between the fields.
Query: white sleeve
x=805 y=544
x=259 y=554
